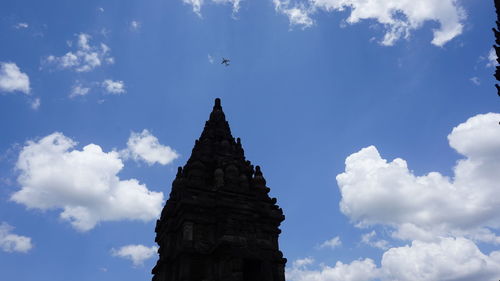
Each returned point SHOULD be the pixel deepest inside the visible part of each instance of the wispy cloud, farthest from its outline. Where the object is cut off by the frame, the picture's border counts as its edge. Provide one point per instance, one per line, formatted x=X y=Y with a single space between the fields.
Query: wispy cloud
x=85 y=58
x=210 y=59
x=21 y=25
x=370 y=239
x=135 y=25
x=332 y=243
x=113 y=87
x=475 y=80
x=197 y=4
x=35 y=103
x=298 y=14
x=79 y=90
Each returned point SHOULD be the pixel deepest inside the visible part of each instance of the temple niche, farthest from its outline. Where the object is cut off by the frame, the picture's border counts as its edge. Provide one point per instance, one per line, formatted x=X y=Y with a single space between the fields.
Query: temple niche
x=219 y=223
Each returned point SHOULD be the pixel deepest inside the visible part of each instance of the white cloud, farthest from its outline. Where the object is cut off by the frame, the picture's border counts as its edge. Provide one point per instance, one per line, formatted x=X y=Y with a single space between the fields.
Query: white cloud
x=196 y=4
x=83 y=183
x=332 y=243
x=358 y=270
x=135 y=25
x=12 y=79
x=21 y=25
x=375 y=191
x=492 y=58
x=136 y=253
x=297 y=15
x=300 y=263
x=146 y=147
x=78 y=90
x=475 y=80
x=451 y=259
x=85 y=58
x=210 y=59
x=114 y=87
x=105 y=32
x=100 y=9
x=10 y=242
x=234 y=3
x=442 y=216
x=369 y=239
x=35 y=103
x=398 y=17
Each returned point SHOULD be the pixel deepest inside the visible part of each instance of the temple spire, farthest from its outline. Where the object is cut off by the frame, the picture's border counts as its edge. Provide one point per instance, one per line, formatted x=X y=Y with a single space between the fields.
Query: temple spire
x=219 y=222
x=217 y=103
x=216 y=128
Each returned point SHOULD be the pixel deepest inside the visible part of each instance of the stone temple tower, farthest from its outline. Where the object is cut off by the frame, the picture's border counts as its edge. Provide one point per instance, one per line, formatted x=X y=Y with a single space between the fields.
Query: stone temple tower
x=219 y=223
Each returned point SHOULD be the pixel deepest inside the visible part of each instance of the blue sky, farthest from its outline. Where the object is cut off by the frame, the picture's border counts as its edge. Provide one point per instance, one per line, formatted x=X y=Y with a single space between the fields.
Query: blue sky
x=375 y=124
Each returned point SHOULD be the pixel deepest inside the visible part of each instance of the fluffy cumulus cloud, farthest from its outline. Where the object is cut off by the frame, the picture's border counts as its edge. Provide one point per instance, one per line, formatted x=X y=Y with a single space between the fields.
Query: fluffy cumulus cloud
x=332 y=243
x=113 y=87
x=136 y=253
x=85 y=58
x=398 y=17
x=12 y=79
x=10 y=242
x=82 y=183
x=441 y=218
x=146 y=147
x=377 y=191
x=358 y=270
x=451 y=259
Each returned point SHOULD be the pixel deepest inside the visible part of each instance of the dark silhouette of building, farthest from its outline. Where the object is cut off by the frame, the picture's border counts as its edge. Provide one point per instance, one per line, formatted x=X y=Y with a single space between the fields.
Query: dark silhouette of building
x=496 y=31
x=219 y=223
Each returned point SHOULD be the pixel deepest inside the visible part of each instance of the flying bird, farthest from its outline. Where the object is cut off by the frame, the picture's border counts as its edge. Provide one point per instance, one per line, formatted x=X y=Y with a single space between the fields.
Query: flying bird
x=225 y=61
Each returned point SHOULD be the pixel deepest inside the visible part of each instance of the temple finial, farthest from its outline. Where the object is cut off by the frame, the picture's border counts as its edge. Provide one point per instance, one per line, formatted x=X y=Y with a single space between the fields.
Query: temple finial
x=217 y=114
